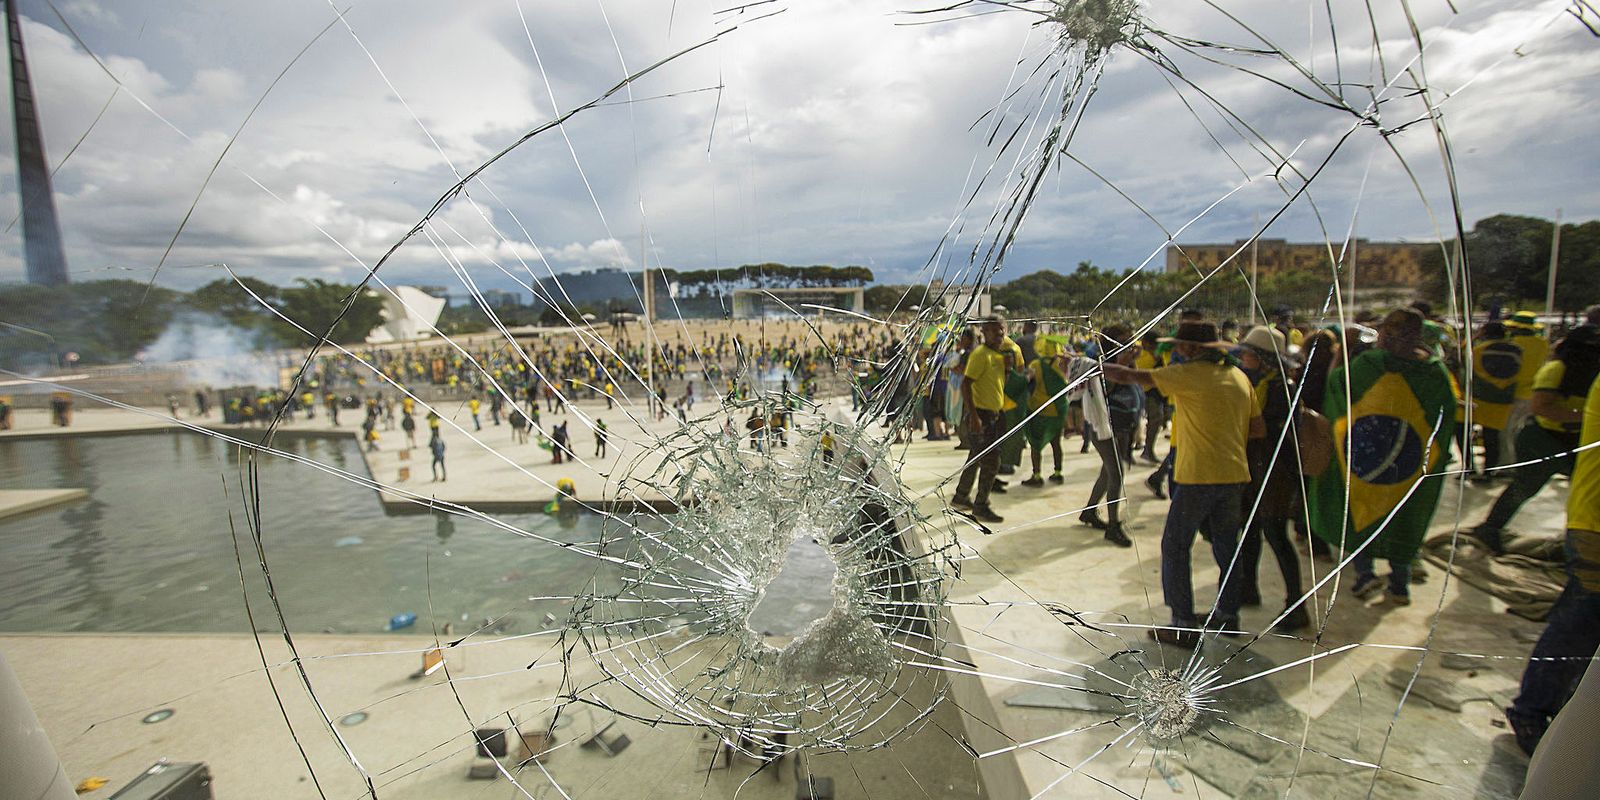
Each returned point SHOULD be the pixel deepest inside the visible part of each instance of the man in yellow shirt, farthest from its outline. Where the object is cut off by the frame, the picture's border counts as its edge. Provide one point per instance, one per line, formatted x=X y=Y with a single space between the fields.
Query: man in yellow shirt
x=1549 y=436
x=984 y=399
x=1215 y=417
x=1573 y=630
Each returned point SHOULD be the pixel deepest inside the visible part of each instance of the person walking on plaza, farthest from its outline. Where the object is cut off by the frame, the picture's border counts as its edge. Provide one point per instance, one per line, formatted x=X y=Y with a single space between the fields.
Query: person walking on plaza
x=1567 y=646
x=436 y=447
x=1111 y=413
x=1047 y=408
x=600 y=438
x=408 y=425
x=1547 y=439
x=1214 y=420
x=472 y=408
x=1393 y=414
x=519 y=426
x=983 y=398
x=558 y=444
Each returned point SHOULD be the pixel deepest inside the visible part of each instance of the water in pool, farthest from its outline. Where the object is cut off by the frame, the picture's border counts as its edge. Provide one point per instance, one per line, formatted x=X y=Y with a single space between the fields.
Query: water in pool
x=151 y=548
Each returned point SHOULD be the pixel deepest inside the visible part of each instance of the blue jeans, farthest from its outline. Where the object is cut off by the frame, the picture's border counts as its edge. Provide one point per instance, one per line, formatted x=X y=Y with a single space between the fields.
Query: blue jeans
x=1217 y=511
x=1562 y=655
x=1399 y=573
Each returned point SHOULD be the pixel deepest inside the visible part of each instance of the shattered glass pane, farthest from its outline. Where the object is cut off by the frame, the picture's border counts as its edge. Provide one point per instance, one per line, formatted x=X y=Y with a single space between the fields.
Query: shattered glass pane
x=708 y=552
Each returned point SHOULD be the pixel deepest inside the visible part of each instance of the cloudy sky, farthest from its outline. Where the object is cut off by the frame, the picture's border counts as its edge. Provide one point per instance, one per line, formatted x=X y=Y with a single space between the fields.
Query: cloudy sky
x=834 y=132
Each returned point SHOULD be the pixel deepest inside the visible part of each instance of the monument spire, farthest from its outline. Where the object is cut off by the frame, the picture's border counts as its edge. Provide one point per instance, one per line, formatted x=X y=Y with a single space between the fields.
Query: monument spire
x=41 y=233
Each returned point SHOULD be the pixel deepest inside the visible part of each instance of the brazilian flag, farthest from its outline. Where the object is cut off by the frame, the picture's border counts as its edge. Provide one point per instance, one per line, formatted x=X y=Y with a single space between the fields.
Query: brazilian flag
x=1495 y=367
x=1045 y=426
x=1391 y=434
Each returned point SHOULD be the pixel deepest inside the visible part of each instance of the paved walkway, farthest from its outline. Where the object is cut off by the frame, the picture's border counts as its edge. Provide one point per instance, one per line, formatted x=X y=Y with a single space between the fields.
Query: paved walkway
x=1340 y=702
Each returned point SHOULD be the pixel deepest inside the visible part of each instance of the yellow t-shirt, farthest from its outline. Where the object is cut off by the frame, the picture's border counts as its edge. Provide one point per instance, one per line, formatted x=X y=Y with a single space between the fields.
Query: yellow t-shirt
x=1212 y=412
x=1042 y=398
x=1549 y=379
x=1534 y=352
x=1145 y=360
x=1583 y=503
x=986 y=371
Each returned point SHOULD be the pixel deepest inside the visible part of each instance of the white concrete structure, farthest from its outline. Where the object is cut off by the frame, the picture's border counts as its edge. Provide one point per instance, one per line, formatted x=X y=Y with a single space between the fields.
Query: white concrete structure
x=408 y=313
x=755 y=303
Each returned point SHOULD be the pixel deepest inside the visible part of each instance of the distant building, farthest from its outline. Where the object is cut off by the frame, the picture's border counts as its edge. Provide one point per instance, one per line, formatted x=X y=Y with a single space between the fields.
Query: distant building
x=757 y=303
x=1385 y=264
x=500 y=298
x=408 y=313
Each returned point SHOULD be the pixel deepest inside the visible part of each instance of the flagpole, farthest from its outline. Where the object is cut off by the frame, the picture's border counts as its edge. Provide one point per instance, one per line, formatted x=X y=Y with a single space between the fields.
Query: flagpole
x=1255 y=243
x=1555 y=255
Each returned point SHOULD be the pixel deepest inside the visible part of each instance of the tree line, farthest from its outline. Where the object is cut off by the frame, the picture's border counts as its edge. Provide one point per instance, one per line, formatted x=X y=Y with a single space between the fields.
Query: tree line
x=110 y=321
x=1508 y=263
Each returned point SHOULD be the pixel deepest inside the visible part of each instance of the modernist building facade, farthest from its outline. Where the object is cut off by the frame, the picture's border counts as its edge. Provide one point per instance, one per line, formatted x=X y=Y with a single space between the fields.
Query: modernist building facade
x=1377 y=264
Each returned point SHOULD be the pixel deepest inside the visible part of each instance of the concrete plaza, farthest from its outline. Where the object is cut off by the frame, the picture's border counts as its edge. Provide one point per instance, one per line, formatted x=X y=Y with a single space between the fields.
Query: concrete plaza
x=1048 y=620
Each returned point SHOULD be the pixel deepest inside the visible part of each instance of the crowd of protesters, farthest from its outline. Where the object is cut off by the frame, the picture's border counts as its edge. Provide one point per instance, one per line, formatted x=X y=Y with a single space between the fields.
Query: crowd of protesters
x=1344 y=435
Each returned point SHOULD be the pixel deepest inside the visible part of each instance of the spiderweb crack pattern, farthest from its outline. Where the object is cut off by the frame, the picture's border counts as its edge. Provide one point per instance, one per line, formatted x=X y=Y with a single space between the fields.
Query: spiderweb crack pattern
x=663 y=636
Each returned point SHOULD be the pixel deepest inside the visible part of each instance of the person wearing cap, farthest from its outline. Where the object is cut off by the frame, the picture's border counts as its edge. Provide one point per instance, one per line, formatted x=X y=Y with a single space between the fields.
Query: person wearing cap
x=1572 y=632
x=1393 y=416
x=1211 y=471
x=1546 y=441
x=1264 y=355
x=983 y=397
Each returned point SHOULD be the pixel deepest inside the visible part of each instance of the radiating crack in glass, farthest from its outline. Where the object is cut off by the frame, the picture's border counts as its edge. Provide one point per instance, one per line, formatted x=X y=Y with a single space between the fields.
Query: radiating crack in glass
x=663 y=636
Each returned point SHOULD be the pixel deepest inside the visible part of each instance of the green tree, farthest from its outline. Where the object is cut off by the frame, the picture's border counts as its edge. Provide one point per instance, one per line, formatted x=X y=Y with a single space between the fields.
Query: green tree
x=232 y=301
x=315 y=304
x=101 y=321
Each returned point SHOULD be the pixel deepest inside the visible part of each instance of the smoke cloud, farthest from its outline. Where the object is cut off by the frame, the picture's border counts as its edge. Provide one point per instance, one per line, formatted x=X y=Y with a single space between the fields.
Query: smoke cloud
x=212 y=352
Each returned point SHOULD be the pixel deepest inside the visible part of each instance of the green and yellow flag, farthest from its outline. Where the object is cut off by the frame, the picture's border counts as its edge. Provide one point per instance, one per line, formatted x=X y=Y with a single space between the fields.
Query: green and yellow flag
x=1495 y=367
x=1391 y=437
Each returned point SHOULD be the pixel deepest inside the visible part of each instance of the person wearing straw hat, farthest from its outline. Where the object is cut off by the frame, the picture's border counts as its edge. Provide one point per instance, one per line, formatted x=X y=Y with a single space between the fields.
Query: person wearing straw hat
x=1214 y=420
x=1265 y=356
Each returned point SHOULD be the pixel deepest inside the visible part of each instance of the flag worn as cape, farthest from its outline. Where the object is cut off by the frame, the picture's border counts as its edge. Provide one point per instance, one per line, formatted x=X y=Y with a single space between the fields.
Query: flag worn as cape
x=1049 y=400
x=1496 y=364
x=1395 y=430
